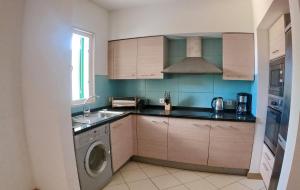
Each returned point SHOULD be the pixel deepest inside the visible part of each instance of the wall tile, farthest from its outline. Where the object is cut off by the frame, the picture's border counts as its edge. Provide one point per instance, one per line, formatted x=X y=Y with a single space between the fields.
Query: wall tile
x=196 y=83
x=225 y=86
x=195 y=99
x=170 y=84
x=154 y=97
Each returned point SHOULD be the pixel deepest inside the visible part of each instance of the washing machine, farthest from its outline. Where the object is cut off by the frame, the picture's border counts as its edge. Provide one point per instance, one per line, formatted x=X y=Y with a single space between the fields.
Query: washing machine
x=93 y=158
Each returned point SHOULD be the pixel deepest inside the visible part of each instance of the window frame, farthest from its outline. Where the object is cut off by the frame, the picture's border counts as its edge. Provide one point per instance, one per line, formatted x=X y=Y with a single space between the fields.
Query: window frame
x=91 y=81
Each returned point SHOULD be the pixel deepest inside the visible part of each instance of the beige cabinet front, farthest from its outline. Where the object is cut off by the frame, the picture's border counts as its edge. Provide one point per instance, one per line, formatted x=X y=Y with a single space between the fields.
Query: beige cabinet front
x=277 y=38
x=121 y=141
x=138 y=58
x=152 y=135
x=231 y=144
x=122 y=59
x=188 y=140
x=150 y=60
x=238 y=56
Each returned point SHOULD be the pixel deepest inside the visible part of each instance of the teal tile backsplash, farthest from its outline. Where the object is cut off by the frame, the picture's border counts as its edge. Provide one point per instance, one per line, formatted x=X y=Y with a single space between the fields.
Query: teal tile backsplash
x=186 y=90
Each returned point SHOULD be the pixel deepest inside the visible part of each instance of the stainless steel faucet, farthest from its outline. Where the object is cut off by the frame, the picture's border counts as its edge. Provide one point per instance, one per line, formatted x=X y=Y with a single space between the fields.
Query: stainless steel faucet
x=86 y=112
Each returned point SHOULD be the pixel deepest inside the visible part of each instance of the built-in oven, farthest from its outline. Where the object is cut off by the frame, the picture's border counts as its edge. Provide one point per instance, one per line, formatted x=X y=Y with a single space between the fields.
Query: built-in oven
x=274 y=114
x=276 y=77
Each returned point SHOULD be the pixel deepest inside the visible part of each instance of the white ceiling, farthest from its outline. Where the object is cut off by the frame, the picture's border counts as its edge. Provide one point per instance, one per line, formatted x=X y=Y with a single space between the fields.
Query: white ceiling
x=123 y=4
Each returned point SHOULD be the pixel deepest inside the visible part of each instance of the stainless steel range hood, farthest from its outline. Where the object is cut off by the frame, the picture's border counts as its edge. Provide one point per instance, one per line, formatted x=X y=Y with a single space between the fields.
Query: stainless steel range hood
x=193 y=63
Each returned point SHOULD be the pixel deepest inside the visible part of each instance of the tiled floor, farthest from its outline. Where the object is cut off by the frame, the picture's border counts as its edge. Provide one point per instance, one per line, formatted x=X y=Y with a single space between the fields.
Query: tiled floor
x=140 y=176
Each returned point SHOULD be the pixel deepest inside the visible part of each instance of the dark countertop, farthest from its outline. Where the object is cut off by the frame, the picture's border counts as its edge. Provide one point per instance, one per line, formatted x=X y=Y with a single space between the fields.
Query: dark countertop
x=177 y=112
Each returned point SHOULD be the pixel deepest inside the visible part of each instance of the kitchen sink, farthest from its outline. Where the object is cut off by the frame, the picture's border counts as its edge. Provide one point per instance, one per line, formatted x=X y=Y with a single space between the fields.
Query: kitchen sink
x=95 y=117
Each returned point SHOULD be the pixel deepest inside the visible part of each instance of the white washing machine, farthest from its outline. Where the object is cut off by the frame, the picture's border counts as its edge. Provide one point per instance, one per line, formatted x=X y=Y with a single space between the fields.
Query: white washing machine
x=93 y=158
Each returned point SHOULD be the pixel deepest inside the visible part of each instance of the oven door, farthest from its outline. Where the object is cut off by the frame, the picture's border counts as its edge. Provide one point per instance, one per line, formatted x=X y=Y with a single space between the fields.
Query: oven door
x=276 y=77
x=272 y=128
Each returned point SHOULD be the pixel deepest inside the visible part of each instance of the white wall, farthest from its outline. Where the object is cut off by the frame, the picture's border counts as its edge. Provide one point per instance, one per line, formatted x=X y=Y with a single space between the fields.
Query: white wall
x=260 y=9
x=15 y=171
x=291 y=164
x=189 y=16
x=46 y=83
x=262 y=78
x=88 y=16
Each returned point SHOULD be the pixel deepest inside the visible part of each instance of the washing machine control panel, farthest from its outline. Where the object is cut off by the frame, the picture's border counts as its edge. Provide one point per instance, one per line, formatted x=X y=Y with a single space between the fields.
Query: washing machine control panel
x=90 y=136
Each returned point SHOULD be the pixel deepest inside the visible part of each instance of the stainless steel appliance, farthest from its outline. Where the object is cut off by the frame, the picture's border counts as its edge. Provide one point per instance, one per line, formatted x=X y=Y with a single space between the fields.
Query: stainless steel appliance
x=121 y=102
x=283 y=129
x=244 y=101
x=217 y=104
x=93 y=158
x=274 y=114
x=276 y=76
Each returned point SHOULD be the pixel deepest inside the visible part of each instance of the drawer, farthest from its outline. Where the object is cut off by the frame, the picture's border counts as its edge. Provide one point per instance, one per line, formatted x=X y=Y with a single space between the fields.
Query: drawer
x=268 y=156
x=266 y=172
x=266 y=165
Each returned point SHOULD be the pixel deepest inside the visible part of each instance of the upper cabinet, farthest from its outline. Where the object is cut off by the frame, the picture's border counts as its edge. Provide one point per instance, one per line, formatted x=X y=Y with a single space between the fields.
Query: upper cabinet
x=122 y=59
x=151 y=57
x=140 y=58
x=238 y=56
x=277 y=38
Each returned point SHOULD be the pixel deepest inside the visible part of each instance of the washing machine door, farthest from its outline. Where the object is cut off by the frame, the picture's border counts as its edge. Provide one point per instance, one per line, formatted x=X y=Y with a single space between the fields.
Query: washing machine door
x=96 y=159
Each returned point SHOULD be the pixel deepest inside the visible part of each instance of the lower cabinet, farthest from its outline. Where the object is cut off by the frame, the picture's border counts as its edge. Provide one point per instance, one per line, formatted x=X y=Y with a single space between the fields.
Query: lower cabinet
x=231 y=144
x=188 y=140
x=266 y=165
x=201 y=142
x=122 y=141
x=152 y=133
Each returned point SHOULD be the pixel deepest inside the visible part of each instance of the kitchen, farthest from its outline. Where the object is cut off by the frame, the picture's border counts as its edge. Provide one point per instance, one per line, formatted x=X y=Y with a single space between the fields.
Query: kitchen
x=159 y=101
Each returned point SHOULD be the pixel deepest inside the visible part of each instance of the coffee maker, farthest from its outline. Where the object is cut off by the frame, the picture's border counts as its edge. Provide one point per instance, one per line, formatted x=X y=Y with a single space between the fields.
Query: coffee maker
x=244 y=101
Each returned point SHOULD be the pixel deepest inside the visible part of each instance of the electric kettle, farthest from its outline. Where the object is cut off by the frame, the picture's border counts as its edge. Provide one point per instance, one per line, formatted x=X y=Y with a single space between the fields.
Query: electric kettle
x=217 y=104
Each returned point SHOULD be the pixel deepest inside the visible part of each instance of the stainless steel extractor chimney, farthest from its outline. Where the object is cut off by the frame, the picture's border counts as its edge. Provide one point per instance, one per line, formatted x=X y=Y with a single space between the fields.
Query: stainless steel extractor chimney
x=193 y=63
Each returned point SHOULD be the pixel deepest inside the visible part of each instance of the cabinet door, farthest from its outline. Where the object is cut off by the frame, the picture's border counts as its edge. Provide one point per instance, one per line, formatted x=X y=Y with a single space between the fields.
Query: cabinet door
x=121 y=142
x=277 y=38
x=151 y=57
x=231 y=144
x=238 y=56
x=125 y=59
x=188 y=140
x=152 y=136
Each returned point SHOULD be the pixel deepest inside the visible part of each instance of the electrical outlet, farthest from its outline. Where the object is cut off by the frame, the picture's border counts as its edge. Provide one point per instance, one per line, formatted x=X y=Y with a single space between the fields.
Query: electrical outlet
x=161 y=100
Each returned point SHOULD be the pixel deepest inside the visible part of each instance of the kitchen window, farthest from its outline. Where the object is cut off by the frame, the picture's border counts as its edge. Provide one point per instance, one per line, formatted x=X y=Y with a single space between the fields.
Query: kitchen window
x=83 y=84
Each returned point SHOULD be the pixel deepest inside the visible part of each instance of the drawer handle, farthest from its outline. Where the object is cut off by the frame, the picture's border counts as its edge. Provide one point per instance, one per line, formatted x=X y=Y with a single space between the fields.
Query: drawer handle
x=198 y=125
x=157 y=122
x=267 y=156
x=276 y=51
x=115 y=126
x=225 y=127
x=266 y=167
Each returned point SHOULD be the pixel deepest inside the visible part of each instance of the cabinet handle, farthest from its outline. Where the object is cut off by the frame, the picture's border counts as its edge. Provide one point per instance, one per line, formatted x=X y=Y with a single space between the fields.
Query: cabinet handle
x=198 y=125
x=165 y=122
x=154 y=121
x=147 y=75
x=276 y=51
